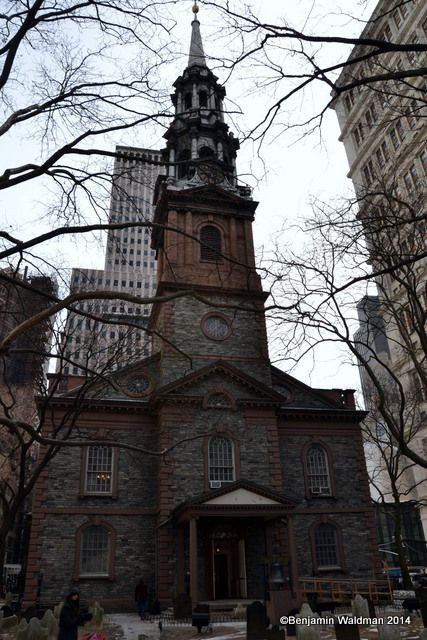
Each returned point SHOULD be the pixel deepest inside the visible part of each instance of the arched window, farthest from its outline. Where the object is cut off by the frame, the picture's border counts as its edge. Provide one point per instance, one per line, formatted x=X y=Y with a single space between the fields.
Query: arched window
x=95 y=551
x=210 y=243
x=183 y=166
x=188 y=100
x=203 y=99
x=221 y=460
x=318 y=471
x=326 y=546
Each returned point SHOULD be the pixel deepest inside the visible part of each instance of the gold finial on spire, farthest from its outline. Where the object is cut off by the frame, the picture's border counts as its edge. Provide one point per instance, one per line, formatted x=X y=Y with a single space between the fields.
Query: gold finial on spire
x=195 y=8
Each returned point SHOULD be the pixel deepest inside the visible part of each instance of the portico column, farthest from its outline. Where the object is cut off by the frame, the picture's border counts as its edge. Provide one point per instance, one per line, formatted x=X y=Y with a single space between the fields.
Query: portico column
x=194 y=591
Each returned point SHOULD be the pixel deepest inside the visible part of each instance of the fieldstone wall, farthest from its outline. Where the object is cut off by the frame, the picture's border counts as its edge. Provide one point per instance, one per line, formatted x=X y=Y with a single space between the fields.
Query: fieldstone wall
x=245 y=348
x=131 y=516
x=349 y=507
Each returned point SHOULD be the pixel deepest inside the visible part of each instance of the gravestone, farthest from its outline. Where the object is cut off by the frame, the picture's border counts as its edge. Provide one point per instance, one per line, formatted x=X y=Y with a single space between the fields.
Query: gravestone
x=22 y=625
x=345 y=631
x=308 y=631
x=33 y=631
x=359 y=607
x=388 y=631
x=57 y=609
x=256 y=621
x=182 y=607
x=97 y=615
x=8 y=623
x=50 y=623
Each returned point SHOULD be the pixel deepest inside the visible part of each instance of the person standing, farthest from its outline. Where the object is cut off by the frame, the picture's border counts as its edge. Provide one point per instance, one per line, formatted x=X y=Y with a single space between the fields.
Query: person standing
x=71 y=616
x=141 y=598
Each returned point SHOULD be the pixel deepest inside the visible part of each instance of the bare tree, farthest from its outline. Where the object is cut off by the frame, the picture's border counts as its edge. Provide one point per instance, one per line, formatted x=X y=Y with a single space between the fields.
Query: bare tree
x=394 y=479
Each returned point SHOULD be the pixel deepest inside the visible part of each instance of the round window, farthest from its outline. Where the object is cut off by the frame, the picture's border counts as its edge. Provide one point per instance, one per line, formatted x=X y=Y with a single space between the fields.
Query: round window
x=216 y=327
x=137 y=384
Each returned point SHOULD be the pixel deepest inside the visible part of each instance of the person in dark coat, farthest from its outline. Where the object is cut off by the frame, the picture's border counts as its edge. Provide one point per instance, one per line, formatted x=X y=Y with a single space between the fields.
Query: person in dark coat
x=72 y=617
x=141 y=598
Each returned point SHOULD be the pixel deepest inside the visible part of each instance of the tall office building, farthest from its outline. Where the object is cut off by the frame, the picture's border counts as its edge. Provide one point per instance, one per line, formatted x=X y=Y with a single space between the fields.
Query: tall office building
x=105 y=334
x=384 y=129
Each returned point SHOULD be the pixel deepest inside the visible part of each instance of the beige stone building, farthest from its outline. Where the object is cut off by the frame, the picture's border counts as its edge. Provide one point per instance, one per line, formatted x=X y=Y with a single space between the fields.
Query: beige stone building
x=94 y=338
x=384 y=130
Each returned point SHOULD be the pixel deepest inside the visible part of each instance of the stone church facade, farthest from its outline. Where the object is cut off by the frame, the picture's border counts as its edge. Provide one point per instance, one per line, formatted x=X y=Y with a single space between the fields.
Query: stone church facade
x=257 y=470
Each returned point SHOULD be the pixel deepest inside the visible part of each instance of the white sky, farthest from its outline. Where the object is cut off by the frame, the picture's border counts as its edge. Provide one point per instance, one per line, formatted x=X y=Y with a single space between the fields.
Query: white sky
x=292 y=171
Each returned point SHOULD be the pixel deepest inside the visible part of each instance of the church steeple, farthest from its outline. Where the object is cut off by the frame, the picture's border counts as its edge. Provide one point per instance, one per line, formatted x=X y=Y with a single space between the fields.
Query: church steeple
x=197 y=55
x=200 y=147
x=202 y=234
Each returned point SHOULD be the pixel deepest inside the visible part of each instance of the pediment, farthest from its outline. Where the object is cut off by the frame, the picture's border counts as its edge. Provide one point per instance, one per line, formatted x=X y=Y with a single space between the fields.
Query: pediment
x=242 y=496
x=220 y=376
x=134 y=382
x=237 y=499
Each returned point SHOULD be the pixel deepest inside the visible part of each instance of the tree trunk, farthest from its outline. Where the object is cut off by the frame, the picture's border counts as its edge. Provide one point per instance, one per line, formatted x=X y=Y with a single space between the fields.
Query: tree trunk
x=400 y=547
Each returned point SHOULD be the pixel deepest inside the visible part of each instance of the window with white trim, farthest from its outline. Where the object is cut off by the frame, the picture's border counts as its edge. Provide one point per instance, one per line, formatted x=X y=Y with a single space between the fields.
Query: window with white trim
x=94 y=551
x=221 y=460
x=318 y=471
x=99 y=470
x=326 y=546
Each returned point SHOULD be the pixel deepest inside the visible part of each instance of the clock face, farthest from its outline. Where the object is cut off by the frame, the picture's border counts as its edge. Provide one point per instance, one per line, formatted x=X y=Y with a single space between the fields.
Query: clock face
x=210 y=173
x=216 y=327
x=138 y=385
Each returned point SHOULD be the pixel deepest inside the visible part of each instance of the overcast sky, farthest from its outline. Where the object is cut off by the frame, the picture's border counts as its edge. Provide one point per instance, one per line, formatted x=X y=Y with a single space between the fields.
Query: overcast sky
x=291 y=170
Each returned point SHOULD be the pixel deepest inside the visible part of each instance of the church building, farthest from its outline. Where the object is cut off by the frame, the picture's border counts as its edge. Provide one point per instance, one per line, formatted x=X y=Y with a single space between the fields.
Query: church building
x=258 y=471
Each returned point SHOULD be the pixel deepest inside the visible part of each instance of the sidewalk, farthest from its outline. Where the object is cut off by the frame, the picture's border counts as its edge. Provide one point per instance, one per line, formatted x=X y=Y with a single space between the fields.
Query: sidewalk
x=129 y=626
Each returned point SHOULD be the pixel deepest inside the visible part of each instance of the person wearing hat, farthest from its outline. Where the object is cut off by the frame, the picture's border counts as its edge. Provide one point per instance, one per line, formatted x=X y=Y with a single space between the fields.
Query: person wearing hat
x=72 y=616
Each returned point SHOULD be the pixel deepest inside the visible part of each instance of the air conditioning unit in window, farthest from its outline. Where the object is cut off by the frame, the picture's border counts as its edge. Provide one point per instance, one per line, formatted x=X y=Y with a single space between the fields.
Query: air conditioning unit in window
x=215 y=484
x=315 y=490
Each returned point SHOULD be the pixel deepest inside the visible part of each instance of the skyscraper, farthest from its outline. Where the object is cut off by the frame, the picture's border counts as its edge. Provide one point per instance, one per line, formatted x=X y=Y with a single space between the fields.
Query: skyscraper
x=384 y=129
x=102 y=335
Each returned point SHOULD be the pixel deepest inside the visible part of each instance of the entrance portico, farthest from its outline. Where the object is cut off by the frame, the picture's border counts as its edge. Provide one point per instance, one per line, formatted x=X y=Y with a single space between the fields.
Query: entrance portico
x=226 y=541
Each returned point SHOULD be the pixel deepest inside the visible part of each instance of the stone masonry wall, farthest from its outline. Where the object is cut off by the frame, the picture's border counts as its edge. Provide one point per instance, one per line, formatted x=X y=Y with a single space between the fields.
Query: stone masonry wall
x=245 y=348
x=349 y=508
x=132 y=514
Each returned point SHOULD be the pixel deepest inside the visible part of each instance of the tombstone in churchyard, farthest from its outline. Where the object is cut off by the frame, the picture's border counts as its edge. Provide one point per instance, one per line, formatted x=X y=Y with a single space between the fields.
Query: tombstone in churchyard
x=182 y=606
x=97 y=615
x=57 y=609
x=359 y=607
x=256 y=621
x=33 y=631
x=308 y=631
x=346 y=631
x=388 y=631
x=8 y=623
x=22 y=625
x=50 y=623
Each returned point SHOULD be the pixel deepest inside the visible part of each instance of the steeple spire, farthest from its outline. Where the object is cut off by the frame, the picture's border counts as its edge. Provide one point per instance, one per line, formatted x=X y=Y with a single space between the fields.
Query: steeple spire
x=197 y=55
